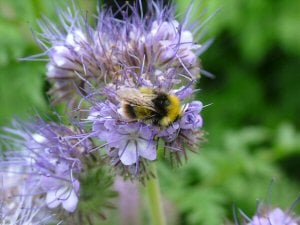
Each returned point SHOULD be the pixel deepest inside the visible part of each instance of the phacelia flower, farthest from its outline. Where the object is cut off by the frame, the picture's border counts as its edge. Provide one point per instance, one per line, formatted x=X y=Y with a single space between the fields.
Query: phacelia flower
x=17 y=203
x=267 y=215
x=71 y=56
x=129 y=142
x=154 y=51
x=274 y=217
x=17 y=208
x=153 y=55
x=130 y=50
x=132 y=141
x=191 y=118
x=47 y=155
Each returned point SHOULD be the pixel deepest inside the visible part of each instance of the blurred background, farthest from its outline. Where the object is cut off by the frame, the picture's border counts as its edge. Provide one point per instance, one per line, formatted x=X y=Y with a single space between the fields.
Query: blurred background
x=252 y=121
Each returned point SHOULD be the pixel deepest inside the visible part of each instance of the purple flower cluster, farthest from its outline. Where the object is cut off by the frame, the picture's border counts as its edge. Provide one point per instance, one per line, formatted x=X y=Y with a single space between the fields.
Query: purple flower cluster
x=153 y=51
x=45 y=158
x=267 y=215
x=88 y=68
x=21 y=209
x=274 y=217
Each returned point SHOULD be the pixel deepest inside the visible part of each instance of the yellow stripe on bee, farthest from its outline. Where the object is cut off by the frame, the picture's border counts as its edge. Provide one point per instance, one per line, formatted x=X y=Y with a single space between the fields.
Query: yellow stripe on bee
x=173 y=111
x=142 y=112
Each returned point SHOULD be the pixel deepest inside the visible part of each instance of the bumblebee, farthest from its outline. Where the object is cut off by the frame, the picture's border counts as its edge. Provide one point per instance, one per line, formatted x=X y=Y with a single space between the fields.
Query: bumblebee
x=149 y=105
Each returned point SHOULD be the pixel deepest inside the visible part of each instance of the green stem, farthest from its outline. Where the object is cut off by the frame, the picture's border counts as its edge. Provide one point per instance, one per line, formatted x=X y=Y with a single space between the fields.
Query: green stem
x=154 y=198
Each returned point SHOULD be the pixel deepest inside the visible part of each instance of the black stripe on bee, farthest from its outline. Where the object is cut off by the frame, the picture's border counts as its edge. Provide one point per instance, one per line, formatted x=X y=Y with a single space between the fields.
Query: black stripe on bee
x=160 y=103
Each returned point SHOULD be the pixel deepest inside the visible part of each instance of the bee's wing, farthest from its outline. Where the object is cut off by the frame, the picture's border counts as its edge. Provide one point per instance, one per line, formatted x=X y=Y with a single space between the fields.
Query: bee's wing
x=135 y=98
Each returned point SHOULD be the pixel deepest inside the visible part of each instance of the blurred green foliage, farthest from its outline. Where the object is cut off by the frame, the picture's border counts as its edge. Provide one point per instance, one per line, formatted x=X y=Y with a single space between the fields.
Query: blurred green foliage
x=20 y=83
x=252 y=124
x=238 y=172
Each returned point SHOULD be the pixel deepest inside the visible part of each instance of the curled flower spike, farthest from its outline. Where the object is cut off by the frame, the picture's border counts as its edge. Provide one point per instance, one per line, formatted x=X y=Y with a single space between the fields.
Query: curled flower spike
x=129 y=138
x=138 y=72
x=132 y=81
x=25 y=213
x=21 y=209
x=50 y=157
x=274 y=217
x=134 y=50
x=266 y=215
x=70 y=55
x=148 y=100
